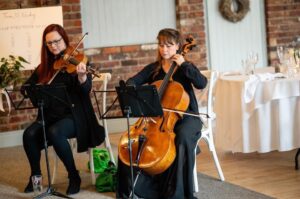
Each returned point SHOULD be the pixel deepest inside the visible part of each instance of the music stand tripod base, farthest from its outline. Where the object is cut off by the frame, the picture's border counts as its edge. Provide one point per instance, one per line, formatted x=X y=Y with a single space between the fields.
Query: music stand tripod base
x=39 y=96
x=137 y=101
x=51 y=192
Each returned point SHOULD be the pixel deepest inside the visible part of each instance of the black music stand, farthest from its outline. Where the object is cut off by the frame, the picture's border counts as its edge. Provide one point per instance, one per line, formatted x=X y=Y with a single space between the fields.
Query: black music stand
x=137 y=101
x=40 y=96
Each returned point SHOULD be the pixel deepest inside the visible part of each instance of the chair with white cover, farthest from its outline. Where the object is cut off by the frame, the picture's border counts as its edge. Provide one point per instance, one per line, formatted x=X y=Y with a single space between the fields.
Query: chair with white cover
x=207 y=117
x=104 y=78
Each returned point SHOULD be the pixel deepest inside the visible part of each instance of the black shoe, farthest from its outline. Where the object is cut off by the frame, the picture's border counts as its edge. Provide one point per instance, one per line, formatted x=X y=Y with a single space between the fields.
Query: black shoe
x=29 y=187
x=74 y=184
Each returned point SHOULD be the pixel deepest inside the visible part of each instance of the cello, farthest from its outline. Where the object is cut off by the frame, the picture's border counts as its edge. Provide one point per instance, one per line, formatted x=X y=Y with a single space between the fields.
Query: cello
x=153 y=147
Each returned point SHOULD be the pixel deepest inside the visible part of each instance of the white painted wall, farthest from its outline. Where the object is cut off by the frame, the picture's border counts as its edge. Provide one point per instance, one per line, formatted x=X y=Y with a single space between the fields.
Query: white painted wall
x=116 y=22
x=229 y=43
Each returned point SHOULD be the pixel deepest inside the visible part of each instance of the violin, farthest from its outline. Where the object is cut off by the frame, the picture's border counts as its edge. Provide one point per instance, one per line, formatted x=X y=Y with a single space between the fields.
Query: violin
x=70 y=58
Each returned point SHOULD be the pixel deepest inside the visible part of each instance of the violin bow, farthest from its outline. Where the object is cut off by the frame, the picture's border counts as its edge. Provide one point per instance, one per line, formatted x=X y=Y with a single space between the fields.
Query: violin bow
x=79 y=42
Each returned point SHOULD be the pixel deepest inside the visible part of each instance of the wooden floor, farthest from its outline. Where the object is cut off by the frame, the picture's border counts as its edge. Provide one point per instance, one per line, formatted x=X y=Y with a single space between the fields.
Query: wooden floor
x=272 y=174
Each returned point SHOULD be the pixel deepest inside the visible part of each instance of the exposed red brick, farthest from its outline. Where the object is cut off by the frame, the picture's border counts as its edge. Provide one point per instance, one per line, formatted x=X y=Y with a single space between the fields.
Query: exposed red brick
x=99 y=58
x=195 y=1
x=71 y=1
x=76 y=15
x=129 y=62
x=110 y=64
x=67 y=8
x=74 y=30
x=127 y=49
x=76 y=8
x=111 y=50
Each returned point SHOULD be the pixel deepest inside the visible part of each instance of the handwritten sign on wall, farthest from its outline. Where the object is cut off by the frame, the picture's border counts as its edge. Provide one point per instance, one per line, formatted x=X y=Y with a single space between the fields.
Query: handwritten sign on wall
x=21 y=31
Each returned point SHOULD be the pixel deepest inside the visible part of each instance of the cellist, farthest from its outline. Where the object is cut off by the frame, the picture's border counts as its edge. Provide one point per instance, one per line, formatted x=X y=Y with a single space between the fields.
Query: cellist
x=177 y=180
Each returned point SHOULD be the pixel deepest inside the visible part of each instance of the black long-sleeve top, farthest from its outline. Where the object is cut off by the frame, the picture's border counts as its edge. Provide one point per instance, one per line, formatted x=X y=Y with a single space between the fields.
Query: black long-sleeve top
x=73 y=101
x=187 y=75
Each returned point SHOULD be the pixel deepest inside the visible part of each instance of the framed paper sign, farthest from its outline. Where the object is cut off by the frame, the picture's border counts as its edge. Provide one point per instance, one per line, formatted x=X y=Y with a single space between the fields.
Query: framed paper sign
x=21 y=31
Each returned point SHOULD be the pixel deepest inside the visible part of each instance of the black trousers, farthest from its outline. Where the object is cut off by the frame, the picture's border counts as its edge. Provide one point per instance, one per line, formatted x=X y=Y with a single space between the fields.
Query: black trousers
x=57 y=134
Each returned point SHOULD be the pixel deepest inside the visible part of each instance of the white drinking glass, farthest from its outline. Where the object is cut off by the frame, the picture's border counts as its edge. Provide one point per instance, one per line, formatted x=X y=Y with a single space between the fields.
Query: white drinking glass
x=37 y=184
x=246 y=67
x=254 y=61
x=280 y=54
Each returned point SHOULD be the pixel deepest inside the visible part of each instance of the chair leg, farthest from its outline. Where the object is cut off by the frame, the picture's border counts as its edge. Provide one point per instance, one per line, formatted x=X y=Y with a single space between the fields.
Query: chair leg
x=107 y=143
x=92 y=170
x=196 y=188
x=296 y=159
x=217 y=163
x=54 y=168
x=212 y=148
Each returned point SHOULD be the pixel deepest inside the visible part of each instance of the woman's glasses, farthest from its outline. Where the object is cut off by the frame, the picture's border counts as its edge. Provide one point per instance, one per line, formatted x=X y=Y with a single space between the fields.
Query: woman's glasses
x=55 y=42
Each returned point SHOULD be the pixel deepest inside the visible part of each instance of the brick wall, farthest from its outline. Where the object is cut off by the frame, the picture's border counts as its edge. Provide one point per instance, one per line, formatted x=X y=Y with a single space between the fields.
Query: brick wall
x=283 y=24
x=127 y=60
x=282 y=19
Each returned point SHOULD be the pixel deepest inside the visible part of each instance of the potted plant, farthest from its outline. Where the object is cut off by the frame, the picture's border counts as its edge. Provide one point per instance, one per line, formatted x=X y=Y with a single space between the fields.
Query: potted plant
x=10 y=73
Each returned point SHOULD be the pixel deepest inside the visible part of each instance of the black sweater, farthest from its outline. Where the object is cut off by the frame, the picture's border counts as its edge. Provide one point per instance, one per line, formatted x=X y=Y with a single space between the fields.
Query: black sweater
x=187 y=75
x=73 y=101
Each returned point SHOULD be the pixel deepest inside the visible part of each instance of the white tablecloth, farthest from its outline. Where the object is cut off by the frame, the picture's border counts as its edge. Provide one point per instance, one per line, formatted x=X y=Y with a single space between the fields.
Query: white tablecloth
x=266 y=121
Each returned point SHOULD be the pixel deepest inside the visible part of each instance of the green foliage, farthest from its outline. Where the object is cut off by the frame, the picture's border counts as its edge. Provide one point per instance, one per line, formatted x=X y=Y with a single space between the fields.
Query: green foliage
x=10 y=73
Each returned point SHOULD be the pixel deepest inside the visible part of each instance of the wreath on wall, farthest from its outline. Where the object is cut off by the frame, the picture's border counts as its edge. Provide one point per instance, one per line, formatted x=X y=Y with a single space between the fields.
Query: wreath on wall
x=243 y=6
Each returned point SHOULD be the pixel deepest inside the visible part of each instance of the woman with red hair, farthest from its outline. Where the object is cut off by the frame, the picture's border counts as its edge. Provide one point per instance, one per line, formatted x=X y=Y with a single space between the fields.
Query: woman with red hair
x=75 y=120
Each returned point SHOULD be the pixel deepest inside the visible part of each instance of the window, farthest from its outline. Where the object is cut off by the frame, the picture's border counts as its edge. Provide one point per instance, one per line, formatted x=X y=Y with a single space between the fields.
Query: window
x=125 y=22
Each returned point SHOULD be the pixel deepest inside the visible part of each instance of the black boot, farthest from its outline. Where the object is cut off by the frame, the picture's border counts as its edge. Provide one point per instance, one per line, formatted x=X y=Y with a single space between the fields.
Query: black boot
x=29 y=187
x=74 y=183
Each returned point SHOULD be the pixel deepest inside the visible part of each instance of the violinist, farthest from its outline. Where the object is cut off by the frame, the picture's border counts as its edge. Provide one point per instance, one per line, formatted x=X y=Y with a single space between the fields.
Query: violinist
x=62 y=122
x=177 y=180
